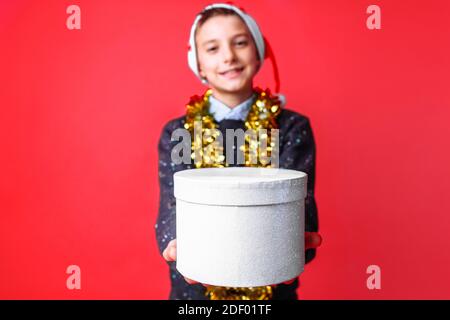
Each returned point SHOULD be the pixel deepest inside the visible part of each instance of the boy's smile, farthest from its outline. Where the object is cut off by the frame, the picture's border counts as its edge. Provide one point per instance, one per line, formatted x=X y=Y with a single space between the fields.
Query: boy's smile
x=232 y=73
x=227 y=58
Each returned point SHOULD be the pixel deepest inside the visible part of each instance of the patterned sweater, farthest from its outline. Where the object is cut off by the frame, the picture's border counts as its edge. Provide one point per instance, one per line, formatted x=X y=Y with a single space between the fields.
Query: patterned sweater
x=296 y=151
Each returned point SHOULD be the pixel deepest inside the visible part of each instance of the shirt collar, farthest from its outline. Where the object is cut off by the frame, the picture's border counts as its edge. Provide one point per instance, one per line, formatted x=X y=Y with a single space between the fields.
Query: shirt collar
x=220 y=111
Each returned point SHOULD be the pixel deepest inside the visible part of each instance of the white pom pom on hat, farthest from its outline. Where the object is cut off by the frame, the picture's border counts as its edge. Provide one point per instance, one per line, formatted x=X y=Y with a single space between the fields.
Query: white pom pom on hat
x=262 y=46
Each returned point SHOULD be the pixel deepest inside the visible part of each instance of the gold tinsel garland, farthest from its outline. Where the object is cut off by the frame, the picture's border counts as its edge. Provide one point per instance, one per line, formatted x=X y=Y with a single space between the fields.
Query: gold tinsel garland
x=208 y=152
x=262 y=115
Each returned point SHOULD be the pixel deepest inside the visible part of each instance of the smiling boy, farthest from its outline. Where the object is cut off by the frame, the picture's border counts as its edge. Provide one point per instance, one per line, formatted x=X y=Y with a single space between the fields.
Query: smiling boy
x=227 y=58
x=226 y=51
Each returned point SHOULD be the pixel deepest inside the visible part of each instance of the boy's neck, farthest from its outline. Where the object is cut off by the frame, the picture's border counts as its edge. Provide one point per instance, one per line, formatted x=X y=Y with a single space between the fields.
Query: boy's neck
x=233 y=99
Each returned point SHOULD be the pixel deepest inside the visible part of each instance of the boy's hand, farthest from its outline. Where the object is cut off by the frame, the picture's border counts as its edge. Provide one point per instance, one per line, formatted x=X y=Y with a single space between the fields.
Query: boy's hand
x=312 y=240
x=170 y=254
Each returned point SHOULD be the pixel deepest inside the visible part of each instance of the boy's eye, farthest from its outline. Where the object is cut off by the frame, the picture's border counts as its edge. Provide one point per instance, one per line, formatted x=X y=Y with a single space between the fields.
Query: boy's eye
x=211 y=49
x=241 y=43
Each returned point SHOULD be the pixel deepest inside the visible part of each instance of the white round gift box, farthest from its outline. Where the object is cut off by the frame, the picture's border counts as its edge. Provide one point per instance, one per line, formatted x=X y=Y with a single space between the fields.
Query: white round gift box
x=240 y=226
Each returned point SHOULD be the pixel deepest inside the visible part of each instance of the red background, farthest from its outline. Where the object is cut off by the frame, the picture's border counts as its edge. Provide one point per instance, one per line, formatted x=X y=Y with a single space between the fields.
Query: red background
x=82 y=110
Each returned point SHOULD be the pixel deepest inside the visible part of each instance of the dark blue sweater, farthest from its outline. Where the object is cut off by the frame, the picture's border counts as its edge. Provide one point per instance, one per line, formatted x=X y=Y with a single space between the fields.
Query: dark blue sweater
x=297 y=152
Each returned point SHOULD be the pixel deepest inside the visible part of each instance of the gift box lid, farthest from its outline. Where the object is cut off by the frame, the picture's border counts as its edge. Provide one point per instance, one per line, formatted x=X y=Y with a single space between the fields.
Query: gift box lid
x=240 y=186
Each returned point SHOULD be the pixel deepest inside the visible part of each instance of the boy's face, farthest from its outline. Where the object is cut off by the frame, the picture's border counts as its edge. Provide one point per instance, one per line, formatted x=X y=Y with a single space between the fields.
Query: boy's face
x=227 y=54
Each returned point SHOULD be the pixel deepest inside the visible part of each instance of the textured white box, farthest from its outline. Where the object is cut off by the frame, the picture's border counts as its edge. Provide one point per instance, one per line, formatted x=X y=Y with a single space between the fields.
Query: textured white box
x=240 y=226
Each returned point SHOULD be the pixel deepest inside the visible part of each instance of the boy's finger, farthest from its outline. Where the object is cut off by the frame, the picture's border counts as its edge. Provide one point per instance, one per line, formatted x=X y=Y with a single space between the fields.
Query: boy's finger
x=164 y=254
x=190 y=281
x=289 y=281
x=172 y=242
x=312 y=240
x=172 y=253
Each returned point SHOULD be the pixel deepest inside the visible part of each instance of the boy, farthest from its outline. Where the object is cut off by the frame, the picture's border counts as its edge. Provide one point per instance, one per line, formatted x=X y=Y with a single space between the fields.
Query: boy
x=226 y=51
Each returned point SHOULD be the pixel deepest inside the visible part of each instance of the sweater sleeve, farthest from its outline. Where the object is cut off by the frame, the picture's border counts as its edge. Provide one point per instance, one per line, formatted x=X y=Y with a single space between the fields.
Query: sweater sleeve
x=165 y=226
x=297 y=152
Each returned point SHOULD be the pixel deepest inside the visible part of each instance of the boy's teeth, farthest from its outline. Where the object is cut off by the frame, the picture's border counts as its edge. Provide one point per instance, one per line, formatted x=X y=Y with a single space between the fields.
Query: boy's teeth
x=232 y=71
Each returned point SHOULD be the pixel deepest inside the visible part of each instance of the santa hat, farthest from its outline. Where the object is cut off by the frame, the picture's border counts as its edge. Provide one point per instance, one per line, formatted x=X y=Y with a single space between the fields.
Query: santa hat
x=262 y=46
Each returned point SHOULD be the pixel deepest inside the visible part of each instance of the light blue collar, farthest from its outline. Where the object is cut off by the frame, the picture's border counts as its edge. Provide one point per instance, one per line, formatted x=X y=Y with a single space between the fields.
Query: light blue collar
x=220 y=111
